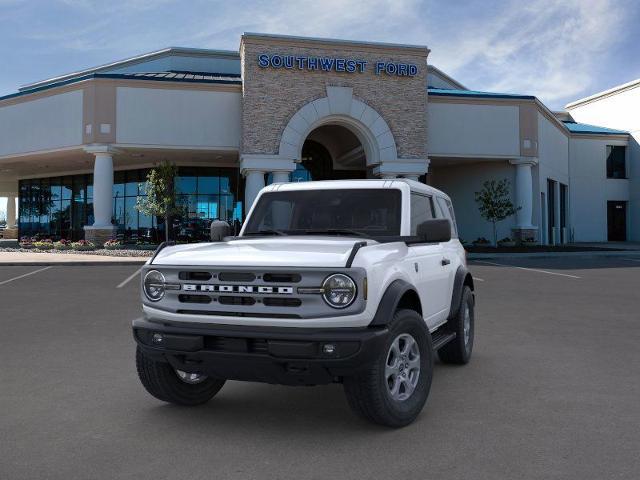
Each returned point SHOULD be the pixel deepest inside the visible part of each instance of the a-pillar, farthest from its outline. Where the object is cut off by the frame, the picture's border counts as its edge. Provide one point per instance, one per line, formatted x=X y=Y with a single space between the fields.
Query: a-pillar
x=524 y=229
x=102 y=228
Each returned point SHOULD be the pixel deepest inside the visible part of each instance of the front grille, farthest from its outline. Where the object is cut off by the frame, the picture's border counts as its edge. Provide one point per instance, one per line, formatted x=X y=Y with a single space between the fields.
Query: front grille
x=236 y=277
x=236 y=300
x=194 y=298
x=195 y=276
x=282 y=277
x=268 y=292
x=282 y=302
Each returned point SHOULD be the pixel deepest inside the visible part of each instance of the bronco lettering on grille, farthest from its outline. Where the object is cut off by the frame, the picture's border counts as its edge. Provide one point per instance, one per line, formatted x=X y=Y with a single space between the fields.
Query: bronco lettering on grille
x=190 y=287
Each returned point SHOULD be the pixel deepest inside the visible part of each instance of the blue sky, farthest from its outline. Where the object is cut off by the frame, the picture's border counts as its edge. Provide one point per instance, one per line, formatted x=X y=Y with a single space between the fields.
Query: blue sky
x=557 y=50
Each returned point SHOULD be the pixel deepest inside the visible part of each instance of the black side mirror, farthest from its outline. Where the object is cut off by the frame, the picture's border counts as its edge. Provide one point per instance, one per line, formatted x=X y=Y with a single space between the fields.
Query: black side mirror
x=434 y=231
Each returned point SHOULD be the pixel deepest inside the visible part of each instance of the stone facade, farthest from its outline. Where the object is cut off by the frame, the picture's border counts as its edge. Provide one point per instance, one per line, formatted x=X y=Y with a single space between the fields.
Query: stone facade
x=272 y=96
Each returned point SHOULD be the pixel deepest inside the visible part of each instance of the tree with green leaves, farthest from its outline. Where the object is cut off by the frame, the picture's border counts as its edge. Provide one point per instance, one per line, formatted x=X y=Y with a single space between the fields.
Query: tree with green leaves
x=160 y=199
x=494 y=203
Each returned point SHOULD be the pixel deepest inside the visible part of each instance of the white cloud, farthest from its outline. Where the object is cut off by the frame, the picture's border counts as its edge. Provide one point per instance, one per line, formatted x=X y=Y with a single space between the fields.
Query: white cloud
x=546 y=48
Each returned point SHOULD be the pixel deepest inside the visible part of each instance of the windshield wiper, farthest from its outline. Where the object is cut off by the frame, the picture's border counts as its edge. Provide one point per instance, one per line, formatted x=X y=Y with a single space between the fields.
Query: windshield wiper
x=266 y=232
x=338 y=231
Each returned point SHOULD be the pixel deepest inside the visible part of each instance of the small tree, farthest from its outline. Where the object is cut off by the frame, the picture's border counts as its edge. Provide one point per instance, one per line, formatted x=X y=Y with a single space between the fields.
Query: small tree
x=161 y=200
x=494 y=203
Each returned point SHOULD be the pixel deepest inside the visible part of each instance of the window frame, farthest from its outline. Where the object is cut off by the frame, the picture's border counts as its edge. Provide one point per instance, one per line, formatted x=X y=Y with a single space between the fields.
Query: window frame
x=610 y=167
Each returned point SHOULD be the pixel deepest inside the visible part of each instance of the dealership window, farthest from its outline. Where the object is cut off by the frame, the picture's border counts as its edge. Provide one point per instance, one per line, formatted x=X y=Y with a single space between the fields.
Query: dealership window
x=204 y=195
x=616 y=161
x=59 y=207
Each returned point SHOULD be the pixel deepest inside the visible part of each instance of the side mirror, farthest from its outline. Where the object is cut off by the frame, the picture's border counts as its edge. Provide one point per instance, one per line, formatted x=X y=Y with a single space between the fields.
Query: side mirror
x=434 y=231
x=218 y=230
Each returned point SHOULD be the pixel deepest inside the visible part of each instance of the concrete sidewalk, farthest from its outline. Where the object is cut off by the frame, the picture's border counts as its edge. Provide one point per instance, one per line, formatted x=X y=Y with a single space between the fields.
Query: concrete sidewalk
x=34 y=259
x=635 y=254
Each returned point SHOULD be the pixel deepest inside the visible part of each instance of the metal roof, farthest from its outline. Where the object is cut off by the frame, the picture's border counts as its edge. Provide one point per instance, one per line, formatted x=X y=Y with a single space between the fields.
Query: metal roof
x=187 y=77
x=444 y=92
x=585 y=128
x=135 y=60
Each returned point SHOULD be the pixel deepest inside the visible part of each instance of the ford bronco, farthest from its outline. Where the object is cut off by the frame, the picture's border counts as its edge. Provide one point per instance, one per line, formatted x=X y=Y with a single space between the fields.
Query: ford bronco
x=356 y=282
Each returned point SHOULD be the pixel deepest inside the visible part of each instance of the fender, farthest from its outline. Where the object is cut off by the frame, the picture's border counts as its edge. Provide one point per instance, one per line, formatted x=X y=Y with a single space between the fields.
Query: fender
x=389 y=302
x=463 y=277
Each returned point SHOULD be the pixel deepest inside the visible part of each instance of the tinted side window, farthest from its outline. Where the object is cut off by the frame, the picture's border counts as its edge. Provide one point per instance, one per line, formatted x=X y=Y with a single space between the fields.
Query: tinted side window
x=447 y=212
x=421 y=210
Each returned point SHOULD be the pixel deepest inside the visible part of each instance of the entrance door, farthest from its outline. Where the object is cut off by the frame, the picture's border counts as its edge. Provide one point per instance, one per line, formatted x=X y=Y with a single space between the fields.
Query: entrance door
x=617 y=221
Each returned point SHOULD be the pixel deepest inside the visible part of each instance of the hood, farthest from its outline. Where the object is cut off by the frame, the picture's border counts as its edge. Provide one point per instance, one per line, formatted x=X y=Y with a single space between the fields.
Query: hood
x=308 y=251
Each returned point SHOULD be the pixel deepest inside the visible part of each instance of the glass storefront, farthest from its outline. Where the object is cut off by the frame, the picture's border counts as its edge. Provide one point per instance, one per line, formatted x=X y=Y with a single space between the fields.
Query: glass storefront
x=59 y=207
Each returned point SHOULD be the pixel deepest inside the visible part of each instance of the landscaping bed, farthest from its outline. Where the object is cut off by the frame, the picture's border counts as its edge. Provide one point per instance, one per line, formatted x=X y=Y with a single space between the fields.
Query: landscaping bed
x=101 y=251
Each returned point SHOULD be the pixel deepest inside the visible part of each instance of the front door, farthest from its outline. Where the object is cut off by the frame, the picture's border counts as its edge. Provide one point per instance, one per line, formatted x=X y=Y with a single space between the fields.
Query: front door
x=617 y=221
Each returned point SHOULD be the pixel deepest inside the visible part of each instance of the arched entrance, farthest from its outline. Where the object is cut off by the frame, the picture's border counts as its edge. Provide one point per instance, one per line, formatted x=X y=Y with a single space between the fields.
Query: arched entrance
x=333 y=152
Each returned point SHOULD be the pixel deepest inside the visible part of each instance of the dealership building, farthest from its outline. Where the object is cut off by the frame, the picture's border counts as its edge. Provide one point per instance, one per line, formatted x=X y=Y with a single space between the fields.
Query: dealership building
x=75 y=149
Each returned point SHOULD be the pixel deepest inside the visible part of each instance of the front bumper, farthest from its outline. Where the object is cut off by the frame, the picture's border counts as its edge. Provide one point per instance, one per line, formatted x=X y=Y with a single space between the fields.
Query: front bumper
x=284 y=355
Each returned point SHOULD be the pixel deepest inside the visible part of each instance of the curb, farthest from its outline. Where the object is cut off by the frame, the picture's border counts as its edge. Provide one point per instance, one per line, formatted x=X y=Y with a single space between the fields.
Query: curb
x=617 y=253
x=72 y=264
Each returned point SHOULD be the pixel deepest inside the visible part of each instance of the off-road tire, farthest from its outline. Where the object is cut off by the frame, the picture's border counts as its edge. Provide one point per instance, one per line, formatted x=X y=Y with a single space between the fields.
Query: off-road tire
x=458 y=351
x=161 y=381
x=368 y=394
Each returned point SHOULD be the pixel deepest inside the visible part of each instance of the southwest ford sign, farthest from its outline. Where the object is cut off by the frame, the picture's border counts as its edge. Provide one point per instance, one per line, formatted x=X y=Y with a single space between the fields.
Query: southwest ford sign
x=334 y=64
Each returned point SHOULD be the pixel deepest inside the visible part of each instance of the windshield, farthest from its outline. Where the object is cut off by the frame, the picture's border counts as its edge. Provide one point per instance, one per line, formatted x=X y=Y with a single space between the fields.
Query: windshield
x=357 y=212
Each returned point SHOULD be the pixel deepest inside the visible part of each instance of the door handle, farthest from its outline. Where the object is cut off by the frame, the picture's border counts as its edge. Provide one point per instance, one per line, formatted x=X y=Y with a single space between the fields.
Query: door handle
x=445 y=262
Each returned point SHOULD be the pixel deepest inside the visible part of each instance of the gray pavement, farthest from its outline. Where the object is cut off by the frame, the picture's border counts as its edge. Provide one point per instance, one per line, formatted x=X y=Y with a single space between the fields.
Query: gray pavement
x=552 y=390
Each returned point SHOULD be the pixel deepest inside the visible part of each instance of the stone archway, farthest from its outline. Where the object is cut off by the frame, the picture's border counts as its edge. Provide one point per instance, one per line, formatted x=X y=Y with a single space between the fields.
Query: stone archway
x=339 y=107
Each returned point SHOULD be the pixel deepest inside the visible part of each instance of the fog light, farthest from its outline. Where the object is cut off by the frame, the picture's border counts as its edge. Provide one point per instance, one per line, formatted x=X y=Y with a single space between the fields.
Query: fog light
x=329 y=348
x=157 y=338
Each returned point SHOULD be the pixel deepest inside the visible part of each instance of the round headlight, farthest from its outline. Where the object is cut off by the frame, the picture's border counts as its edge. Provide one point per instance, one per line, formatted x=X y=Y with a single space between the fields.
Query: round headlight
x=339 y=290
x=154 y=285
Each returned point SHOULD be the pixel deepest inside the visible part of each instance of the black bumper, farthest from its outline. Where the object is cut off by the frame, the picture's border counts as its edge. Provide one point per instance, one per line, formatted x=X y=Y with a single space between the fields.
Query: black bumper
x=288 y=356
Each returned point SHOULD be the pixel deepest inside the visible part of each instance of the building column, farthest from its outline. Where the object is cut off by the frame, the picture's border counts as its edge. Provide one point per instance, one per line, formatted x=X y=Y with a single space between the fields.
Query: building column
x=254 y=182
x=524 y=198
x=11 y=232
x=11 y=212
x=410 y=168
x=102 y=228
x=280 y=176
x=253 y=167
x=412 y=177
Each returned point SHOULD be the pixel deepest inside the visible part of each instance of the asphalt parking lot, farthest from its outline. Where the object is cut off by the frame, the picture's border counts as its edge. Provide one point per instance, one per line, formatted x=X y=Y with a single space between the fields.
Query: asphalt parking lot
x=552 y=391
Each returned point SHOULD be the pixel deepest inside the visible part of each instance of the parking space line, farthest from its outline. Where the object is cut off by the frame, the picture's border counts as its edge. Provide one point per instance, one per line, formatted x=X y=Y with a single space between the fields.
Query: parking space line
x=528 y=269
x=129 y=278
x=478 y=279
x=25 y=275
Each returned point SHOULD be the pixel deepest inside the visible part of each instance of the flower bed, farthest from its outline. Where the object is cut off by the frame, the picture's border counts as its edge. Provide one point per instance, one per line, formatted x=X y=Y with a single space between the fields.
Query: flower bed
x=83 y=245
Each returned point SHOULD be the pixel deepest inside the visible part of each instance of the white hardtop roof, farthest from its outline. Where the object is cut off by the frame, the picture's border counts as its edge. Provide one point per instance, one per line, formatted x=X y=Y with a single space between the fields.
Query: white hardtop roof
x=399 y=183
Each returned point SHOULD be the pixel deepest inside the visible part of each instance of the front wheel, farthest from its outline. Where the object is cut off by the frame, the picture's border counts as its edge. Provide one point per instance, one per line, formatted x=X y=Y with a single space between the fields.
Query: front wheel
x=175 y=386
x=393 y=389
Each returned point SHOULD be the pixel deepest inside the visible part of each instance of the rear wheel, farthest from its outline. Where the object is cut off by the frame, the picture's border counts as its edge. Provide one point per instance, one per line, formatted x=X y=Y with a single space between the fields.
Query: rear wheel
x=393 y=389
x=458 y=351
x=175 y=386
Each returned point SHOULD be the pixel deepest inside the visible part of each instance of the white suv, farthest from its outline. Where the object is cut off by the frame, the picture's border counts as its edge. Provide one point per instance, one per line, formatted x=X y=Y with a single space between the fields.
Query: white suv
x=357 y=282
